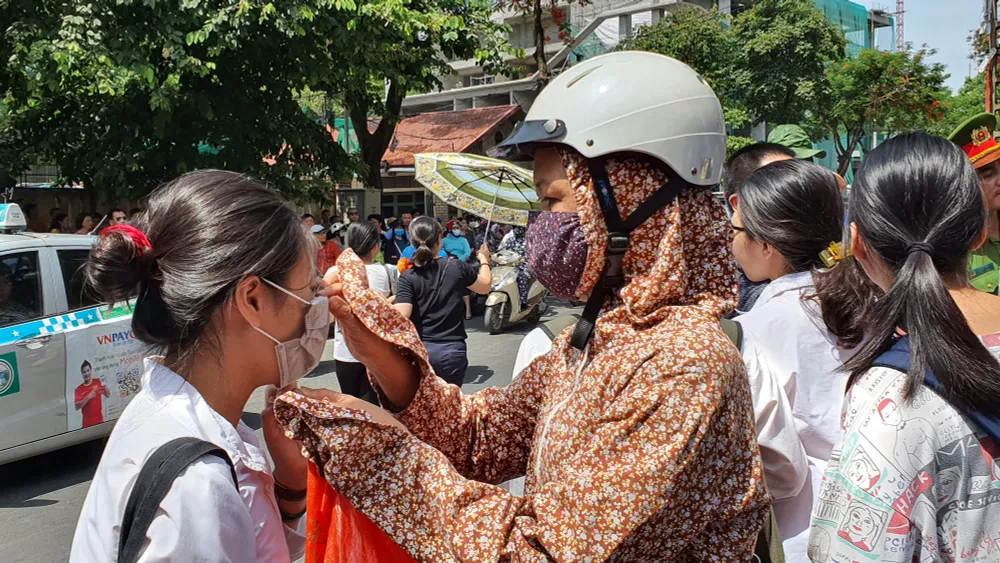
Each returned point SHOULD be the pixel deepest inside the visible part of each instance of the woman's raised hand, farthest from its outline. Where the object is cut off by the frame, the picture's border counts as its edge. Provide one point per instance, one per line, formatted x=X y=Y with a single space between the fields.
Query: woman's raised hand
x=395 y=373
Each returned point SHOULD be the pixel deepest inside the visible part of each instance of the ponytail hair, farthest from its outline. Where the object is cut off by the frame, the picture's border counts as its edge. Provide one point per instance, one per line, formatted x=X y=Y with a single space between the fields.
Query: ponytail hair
x=918 y=206
x=845 y=295
x=425 y=235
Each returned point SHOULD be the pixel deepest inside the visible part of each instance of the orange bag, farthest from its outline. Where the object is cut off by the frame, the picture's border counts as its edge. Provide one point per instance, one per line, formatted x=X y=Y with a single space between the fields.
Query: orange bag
x=337 y=533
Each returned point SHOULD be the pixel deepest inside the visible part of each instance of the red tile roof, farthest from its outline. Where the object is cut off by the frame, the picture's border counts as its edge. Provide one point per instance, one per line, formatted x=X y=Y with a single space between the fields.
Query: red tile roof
x=448 y=131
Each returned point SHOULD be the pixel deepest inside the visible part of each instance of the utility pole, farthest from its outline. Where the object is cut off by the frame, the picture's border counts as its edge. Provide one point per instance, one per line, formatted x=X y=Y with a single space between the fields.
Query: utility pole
x=990 y=14
x=900 y=40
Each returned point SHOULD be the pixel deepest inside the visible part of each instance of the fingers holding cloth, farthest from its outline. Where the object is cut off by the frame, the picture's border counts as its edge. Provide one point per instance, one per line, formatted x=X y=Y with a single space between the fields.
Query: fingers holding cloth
x=379 y=337
x=375 y=332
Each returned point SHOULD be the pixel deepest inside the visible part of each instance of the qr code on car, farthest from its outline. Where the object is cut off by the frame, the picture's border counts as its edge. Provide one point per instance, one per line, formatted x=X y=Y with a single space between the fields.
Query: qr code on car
x=129 y=382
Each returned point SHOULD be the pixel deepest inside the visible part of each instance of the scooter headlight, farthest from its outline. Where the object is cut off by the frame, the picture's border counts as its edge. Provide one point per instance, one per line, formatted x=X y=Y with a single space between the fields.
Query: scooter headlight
x=504 y=280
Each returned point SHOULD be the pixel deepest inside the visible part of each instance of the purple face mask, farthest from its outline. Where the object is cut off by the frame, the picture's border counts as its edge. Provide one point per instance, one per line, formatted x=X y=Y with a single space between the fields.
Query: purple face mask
x=557 y=251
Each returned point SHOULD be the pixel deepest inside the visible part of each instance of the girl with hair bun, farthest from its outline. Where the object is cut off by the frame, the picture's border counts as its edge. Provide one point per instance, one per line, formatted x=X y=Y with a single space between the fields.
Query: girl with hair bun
x=788 y=220
x=430 y=294
x=923 y=389
x=225 y=283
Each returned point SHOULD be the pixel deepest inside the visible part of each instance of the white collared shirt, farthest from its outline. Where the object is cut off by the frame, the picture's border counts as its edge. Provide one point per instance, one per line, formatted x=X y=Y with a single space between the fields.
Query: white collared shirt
x=793 y=363
x=203 y=517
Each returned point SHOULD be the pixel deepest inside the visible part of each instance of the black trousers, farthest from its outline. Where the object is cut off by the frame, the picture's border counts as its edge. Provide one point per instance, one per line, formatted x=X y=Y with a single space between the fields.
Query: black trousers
x=450 y=360
x=353 y=378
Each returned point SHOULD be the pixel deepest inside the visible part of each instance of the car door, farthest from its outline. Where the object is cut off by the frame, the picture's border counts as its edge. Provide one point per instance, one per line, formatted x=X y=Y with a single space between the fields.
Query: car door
x=32 y=352
x=103 y=359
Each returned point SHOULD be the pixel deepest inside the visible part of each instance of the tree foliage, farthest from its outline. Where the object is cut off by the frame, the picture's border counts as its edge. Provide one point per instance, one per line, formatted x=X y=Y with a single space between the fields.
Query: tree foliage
x=375 y=65
x=960 y=106
x=786 y=48
x=535 y=10
x=124 y=94
x=766 y=65
x=880 y=91
x=703 y=41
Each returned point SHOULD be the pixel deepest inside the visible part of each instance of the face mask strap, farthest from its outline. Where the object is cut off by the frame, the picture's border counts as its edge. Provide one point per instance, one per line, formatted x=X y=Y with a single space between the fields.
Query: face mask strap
x=279 y=288
x=289 y=293
x=273 y=339
x=618 y=242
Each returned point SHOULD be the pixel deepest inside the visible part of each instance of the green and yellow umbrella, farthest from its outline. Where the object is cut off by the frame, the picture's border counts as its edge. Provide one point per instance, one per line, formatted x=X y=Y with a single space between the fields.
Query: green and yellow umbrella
x=487 y=187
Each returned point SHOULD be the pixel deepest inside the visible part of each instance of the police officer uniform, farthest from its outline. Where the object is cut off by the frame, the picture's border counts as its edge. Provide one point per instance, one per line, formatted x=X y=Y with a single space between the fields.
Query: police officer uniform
x=975 y=136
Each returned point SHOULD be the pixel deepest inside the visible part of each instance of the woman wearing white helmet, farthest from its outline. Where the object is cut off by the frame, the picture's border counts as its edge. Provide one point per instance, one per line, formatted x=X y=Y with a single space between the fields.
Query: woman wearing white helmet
x=636 y=431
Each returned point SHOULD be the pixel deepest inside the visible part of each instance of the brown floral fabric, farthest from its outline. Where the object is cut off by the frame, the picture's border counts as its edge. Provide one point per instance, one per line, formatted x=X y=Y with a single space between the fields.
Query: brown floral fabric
x=642 y=448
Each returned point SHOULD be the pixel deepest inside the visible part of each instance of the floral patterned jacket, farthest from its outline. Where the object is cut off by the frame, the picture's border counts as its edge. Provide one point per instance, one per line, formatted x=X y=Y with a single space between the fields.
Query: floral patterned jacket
x=642 y=448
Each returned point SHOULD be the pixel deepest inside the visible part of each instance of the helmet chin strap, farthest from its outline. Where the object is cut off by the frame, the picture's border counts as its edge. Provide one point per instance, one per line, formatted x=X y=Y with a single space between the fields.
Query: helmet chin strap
x=618 y=241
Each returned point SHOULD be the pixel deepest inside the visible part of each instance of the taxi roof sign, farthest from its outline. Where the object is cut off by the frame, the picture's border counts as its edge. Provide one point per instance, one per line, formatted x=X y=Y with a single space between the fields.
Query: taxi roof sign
x=11 y=217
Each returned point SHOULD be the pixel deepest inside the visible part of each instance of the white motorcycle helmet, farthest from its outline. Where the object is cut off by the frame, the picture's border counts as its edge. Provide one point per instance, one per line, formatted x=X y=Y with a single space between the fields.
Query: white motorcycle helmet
x=627 y=102
x=630 y=101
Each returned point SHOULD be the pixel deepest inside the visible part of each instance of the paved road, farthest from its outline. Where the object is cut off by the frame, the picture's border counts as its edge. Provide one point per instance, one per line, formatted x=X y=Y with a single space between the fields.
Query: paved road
x=41 y=497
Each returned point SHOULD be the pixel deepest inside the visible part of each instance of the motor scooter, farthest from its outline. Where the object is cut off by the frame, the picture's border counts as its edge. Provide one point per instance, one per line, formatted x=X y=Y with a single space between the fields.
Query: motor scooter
x=503 y=305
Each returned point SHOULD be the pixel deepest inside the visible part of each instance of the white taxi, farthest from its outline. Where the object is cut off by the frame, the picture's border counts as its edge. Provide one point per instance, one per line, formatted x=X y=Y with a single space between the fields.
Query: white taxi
x=68 y=366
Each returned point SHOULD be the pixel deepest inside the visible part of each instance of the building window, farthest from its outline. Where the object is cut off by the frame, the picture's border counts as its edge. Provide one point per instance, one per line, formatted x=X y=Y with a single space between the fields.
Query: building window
x=484 y=79
x=394 y=205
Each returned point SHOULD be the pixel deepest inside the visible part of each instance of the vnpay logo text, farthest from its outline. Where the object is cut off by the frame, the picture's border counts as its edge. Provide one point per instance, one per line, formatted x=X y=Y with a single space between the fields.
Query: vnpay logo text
x=115 y=337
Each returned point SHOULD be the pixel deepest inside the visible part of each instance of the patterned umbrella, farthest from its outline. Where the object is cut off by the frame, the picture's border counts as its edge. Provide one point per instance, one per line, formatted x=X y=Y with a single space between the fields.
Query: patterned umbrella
x=495 y=189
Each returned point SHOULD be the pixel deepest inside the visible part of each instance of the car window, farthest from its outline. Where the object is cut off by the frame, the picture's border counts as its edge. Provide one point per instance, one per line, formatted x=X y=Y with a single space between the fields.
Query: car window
x=20 y=288
x=71 y=263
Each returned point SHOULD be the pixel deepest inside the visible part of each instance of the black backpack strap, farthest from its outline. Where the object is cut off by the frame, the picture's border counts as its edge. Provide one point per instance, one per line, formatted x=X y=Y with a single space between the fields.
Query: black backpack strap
x=734 y=330
x=897 y=357
x=155 y=479
x=554 y=327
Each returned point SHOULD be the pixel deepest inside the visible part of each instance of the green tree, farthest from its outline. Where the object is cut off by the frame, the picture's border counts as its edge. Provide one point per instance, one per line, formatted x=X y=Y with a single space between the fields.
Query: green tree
x=704 y=41
x=960 y=106
x=124 y=94
x=786 y=47
x=535 y=10
x=375 y=65
x=880 y=91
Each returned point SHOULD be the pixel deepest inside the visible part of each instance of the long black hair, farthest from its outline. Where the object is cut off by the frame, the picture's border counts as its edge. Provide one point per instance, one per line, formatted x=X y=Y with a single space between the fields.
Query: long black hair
x=57 y=221
x=796 y=207
x=363 y=237
x=425 y=235
x=918 y=206
x=208 y=231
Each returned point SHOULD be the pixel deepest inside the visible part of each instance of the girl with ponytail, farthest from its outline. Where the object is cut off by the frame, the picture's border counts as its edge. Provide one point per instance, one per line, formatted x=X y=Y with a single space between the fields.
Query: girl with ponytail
x=430 y=295
x=919 y=417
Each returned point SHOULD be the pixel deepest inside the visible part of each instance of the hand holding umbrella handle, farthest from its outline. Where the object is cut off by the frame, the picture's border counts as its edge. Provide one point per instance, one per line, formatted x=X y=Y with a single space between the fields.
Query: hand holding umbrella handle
x=484 y=254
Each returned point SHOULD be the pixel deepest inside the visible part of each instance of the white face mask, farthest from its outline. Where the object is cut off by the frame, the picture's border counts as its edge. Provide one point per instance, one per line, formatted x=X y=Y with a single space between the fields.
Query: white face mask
x=297 y=358
x=474 y=224
x=456 y=232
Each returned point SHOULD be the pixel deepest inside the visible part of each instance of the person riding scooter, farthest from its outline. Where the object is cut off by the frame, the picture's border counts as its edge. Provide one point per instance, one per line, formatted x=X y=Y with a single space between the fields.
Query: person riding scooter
x=514 y=294
x=514 y=241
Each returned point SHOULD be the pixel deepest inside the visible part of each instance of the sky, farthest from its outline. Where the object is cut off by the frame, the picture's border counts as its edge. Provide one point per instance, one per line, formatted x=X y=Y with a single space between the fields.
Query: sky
x=943 y=25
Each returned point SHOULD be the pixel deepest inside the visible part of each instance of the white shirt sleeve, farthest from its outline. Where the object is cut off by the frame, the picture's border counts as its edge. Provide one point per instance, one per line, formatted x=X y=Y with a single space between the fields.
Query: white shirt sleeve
x=786 y=467
x=202 y=518
x=296 y=538
x=534 y=344
x=378 y=279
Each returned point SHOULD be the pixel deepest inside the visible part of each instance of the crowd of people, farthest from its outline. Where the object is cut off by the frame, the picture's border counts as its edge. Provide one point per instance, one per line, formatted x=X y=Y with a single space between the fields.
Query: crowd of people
x=434 y=294
x=784 y=354
x=84 y=223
